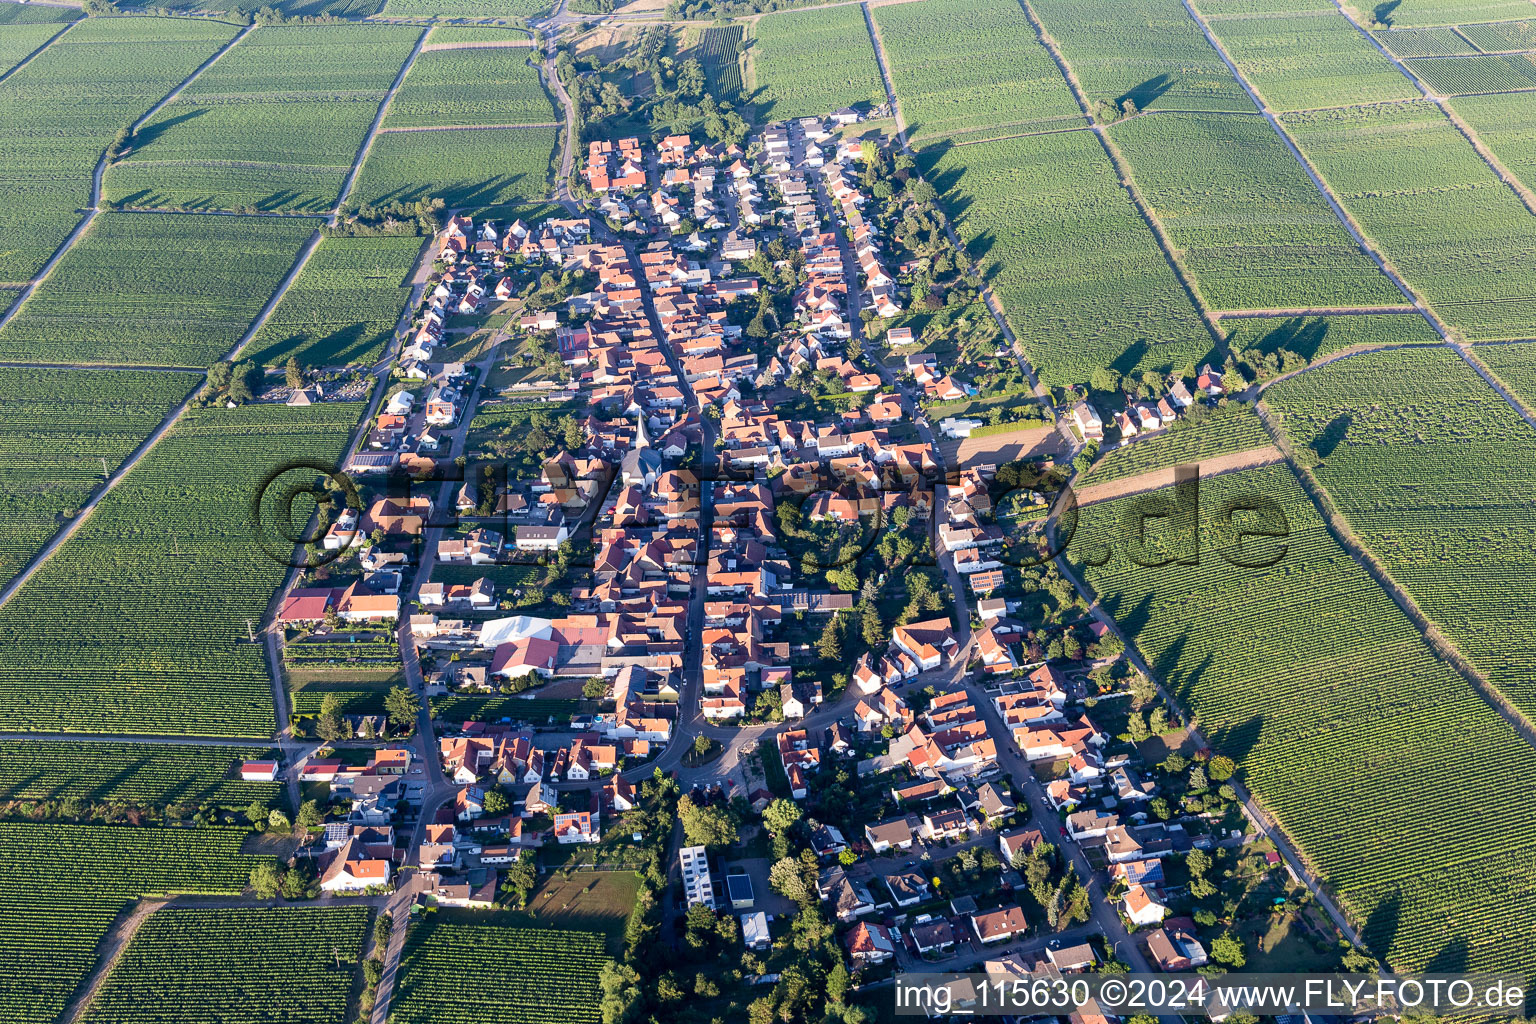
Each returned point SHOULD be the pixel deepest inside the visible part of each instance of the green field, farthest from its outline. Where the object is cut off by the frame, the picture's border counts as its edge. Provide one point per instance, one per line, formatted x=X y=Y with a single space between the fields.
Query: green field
x=55 y=428
x=1346 y=726
x=18 y=40
x=1148 y=52
x=1424 y=42
x=465 y=8
x=1450 y=76
x=1078 y=270
x=1507 y=126
x=343 y=306
x=138 y=623
x=1515 y=368
x=1313 y=337
x=155 y=289
x=1314 y=60
x=275 y=124
x=1254 y=231
x=717 y=51
x=463 y=168
x=1214 y=9
x=299 y=958
x=1505 y=35
x=475 y=34
x=965 y=65
x=476 y=86
x=810 y=63
x=497 y=975
x=148 y=774
x=38 y=14
x=89 y=874
x=62 y=110
x=1445 y=12
x=1232 y=428
x=1438 y=482
x=1454 y=231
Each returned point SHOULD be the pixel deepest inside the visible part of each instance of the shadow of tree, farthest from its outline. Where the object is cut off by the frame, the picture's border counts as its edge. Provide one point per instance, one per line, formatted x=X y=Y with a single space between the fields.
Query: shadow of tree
x=1325 y=443
x=1144 y=94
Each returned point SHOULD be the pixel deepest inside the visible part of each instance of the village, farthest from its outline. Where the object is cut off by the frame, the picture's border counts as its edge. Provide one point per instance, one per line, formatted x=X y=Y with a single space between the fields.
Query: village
x=653 y=505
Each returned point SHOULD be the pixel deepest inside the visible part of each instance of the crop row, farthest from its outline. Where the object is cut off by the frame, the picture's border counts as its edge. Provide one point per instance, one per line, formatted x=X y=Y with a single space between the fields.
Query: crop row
x=717 y=51
x=1452 y=228
x=48 y=947
x=17 y=41
x=1233 y=428
x=62 y=111
x=343 y=306
x=140 y=773
x=1507 y=126
x=155 y=289
x=499 y=85
x=1424 y=42
x=1079 y=272
x=138 y=624
x=56 y=427
x=1502 y=35
x=964 y=65
x=463 y=168
x=810 y=63
x=475 y=34
x=236 y=966
x=1347 y=727
x=1486 y=73
x=1313 y=337
x=1398 y=457
x=1410 y=13
x=275 y=124
x=466 y=8
x=1253 y=230
x=1316 y=60
x=498 y=975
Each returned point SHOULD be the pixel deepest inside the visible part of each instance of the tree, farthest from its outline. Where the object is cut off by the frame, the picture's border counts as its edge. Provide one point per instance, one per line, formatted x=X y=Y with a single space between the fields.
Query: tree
x=781 y=815
x=870 y=624
x=496 y=803
x=847 y=858
x=1105 y=379
x=267 y=879
x=701 y=746
x=293 y=373
x=328 y=725
x=837 y=982
x=1227 y=949
x=403 y=707
x=256 y=814
x=1221 y=768
x=520 y=879
x=383 y=928
x=705 y=826
x=921 y=191
x=595 y=688
x=830 y=645
x=277 y=821
x=787 y=878
x=310 y=814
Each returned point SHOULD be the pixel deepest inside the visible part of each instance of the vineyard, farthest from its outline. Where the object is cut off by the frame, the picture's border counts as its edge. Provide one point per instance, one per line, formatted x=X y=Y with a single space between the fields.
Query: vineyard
x=55 y=428
x=147 y=774
x=1507 y=126
x=1504 y=35
x=1078 y=270
x=463 y=168
x=1313 y=337
x=1232 y=428
x=1347 y=727
x=275 y=124
x=91 y=873
x=236 y=966
x=474 y=34
x=62 y=110
x=1515 y=368
x=722 y=63
x=497 y=975
x=343 y=306
x=1148 y=52
x=1451 y=12
x=139 y=623
x=465 y=8
x=472 y=86
x=1424 y=42
x=155 y=289
x=1232 y=198
x=17 y=41
x=1214 y=9
x=1489 y=73
x=810 y=63
x=1398 y=458
x=1454 y=231
x=1317 y=60
x=967 y=65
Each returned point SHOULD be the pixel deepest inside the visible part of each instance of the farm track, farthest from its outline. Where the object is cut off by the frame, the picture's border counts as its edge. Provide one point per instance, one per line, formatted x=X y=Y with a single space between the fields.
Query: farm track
x=33 y=55
x=1344 y=216
x=1525 y=195
x=471 y=127
x=373 y=129
x=277 y=214
x=489 y=44
x=204 y=66
x=1157 y=479
x=112 y=947
x=994 y=306
x=1477 y=364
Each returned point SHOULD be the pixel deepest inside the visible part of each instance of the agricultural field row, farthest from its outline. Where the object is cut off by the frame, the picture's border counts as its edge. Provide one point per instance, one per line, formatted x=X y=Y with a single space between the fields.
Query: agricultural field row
x=343 y=306
x=1455 y=232
x=63 y=110
x=1253 y=230
x=148 y=774
x=92 y=873
x=56 y=427
x=1515 y=368
x=138 y=624
x=1313 y=60
x=717 y=51
x=465 y=8
x=1503 y=35
x=156 y=289
x=1149 y=53
x=1412 y=13
x=498 y=975
x=275 y=124
x=1314 y=337
x=811 y=62
x=1438 y=481
x=475 y=34
x=299 y=958
x=463 y=168
x=39 y=14
x=17 y=41
x=1424 y=42
x=1507 y=126
x=1078 y=270
x=1359 y=764
x=290 y=8
x=963 y=65
x=455 y=707
x=1452 y=76
x=1246 y=8
x=472 y=86
x=1232 y=428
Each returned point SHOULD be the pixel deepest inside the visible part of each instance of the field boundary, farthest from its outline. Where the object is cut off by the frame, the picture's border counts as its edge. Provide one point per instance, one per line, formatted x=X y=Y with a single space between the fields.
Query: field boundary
x=1157 y=479
x=373 y=130
x=471 y=127
x=1493 y=381
x=1260 y=314
x=111 y=949
x=31 y=56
